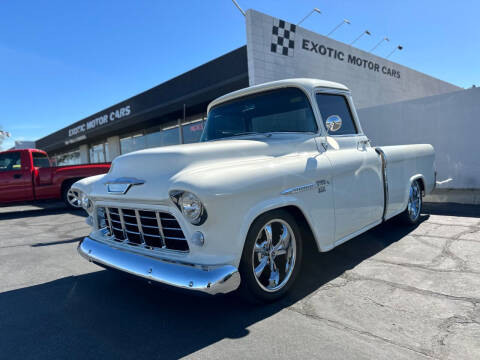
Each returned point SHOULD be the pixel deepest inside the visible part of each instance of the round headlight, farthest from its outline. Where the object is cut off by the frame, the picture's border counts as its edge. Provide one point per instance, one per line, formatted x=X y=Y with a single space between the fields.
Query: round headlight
x=191 y=207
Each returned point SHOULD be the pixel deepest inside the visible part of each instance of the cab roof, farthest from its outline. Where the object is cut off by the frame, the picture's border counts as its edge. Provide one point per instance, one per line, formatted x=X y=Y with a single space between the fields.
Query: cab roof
x=304 y=83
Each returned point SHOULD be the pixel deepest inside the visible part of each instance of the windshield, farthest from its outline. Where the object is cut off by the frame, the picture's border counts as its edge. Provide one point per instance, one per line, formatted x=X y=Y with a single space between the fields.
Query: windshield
x=282 y=110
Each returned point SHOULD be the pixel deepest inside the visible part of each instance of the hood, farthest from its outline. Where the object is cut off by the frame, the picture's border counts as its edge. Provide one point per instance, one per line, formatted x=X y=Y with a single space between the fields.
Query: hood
x=160 y=167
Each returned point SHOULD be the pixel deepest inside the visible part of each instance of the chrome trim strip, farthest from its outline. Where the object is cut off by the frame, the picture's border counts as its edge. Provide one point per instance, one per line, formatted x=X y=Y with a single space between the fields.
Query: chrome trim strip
x=298 y=189
x=212 y=280
x=126 y=180
x=110 y=225
x=120 y=215
x=139 y=225
x=153 y=252
x=385 y=181
x=117 y=210
x=160 y=229
x=122 y=185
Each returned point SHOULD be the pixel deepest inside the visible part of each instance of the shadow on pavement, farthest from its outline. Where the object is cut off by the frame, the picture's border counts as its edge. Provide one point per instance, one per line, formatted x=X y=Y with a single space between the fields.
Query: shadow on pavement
x=19 y=212
x=56 y=242
x=109 y=316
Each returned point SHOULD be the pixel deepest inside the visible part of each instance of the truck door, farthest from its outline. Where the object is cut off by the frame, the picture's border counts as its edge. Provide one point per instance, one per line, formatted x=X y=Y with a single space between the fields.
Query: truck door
x=356 y=167
x=44 y=188
x=15 y=177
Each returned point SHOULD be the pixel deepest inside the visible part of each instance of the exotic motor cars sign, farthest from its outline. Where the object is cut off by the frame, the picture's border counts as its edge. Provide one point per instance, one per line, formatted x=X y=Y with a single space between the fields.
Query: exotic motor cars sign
x=339 y=55
x=100 y=120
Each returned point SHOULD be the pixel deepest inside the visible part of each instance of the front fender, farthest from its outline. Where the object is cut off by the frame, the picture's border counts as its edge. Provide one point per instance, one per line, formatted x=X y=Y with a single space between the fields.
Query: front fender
x=323 y=242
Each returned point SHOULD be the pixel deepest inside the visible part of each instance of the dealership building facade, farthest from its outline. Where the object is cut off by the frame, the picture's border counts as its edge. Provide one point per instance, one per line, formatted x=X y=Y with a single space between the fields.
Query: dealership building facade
x=174 y=112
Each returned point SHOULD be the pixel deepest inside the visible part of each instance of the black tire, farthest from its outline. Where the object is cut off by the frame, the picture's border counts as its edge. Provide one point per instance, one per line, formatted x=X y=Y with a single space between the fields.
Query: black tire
x=65 y=195
x=252 y=289
x=411 y=215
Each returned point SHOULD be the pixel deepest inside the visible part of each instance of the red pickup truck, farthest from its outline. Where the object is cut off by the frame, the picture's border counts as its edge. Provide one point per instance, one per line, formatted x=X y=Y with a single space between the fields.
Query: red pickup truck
x=28 y=175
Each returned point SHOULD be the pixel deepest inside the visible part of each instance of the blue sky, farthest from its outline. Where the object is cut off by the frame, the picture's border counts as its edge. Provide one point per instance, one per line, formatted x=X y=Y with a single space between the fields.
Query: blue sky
x=61 y=61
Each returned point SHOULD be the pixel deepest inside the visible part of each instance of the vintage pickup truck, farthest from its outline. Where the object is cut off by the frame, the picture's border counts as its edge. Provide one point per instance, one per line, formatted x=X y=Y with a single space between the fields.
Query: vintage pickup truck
x=276 y=161
x=28 y=175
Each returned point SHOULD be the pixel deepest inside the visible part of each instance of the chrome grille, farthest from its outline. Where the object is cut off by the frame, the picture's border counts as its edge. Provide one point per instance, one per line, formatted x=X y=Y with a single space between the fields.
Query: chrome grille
x=149 y=229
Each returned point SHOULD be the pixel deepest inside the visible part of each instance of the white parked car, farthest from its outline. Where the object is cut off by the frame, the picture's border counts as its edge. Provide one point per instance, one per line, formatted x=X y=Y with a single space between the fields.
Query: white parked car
x=276 y=161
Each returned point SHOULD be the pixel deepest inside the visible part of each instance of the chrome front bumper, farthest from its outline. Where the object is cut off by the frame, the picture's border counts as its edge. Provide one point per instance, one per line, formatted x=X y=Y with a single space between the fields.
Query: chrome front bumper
x=214 y=280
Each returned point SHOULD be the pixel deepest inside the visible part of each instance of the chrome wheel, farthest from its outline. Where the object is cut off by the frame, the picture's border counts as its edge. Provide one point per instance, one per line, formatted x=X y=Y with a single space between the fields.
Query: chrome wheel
x=73 y=198
x=274 y=254
x=414 y=201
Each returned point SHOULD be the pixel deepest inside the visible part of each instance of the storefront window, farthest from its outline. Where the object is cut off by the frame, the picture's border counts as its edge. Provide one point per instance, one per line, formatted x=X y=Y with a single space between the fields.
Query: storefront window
x=154 y=139
x=132 y=143
x=69 y=158
x=97 y=153
x=170 y=137
x=192 y=132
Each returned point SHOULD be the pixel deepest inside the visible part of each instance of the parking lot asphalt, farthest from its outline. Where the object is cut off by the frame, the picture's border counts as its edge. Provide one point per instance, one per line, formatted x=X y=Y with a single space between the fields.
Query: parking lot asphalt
x=394 y=292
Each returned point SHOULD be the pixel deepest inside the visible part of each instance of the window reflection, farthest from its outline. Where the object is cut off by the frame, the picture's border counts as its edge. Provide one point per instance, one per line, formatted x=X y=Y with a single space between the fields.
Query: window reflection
x=97 y=153
x=68 y=158
x=192 y=132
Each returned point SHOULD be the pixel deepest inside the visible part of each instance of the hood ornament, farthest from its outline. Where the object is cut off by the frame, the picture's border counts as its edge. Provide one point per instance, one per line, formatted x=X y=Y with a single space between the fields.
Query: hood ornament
x=120 y=186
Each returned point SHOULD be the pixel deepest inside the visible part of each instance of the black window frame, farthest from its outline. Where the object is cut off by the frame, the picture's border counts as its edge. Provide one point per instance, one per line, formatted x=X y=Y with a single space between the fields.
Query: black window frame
x=347 y=102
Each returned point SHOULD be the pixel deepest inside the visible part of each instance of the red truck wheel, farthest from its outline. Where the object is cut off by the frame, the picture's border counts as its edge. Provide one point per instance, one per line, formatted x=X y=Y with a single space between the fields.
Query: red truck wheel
x=71 y=198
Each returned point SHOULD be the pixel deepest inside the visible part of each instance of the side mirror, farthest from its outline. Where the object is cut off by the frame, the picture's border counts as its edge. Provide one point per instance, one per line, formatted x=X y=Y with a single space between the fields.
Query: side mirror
x=333 y=123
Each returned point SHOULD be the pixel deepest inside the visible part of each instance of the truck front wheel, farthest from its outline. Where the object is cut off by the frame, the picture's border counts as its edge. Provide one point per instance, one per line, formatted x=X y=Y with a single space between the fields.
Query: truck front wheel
x=71 y=197
x=271 y=257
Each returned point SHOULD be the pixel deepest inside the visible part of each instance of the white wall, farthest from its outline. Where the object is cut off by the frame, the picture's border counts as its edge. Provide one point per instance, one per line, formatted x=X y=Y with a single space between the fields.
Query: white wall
x=450 y=122
x=369 y=87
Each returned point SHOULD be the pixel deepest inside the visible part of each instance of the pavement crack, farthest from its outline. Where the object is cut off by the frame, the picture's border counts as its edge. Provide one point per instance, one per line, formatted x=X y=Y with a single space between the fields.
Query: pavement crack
x=357 y=277
x=309 y=312
x=445 y=330
x=426 y=267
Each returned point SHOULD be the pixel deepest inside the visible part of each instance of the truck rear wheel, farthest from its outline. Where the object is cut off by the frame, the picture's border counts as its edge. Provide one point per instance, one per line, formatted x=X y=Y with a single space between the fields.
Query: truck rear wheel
x=411 y=215
x=271 y=257
x=71 y=198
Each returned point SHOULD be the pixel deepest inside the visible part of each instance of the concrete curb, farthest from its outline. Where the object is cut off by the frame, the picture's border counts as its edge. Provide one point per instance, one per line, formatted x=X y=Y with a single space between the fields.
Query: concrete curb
x=459 y=196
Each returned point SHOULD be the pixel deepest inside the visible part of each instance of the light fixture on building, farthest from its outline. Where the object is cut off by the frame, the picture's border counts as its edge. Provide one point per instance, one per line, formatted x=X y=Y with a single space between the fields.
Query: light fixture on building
x=399 y=47
x=310 y=13
x=345 y=21
x=239 y=8
x=366 y=32
x=384 y=39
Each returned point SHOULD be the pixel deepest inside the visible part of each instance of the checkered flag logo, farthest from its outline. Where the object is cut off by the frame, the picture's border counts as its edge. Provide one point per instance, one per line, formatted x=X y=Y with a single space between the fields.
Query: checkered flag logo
x=283 y=37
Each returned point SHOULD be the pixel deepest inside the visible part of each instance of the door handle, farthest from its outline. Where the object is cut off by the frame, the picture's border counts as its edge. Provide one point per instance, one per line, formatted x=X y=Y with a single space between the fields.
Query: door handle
x=17 y=176
x=362 y=144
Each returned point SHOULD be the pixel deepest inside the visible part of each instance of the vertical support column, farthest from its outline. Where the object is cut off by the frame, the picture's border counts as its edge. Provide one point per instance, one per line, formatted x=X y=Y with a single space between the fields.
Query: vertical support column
x=180 y=121
x=84 y=155
x=113 y=147
x=180 y=131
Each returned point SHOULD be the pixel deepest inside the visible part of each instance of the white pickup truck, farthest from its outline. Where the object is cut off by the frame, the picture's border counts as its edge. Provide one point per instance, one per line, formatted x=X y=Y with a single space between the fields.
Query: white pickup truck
x=276 y=161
